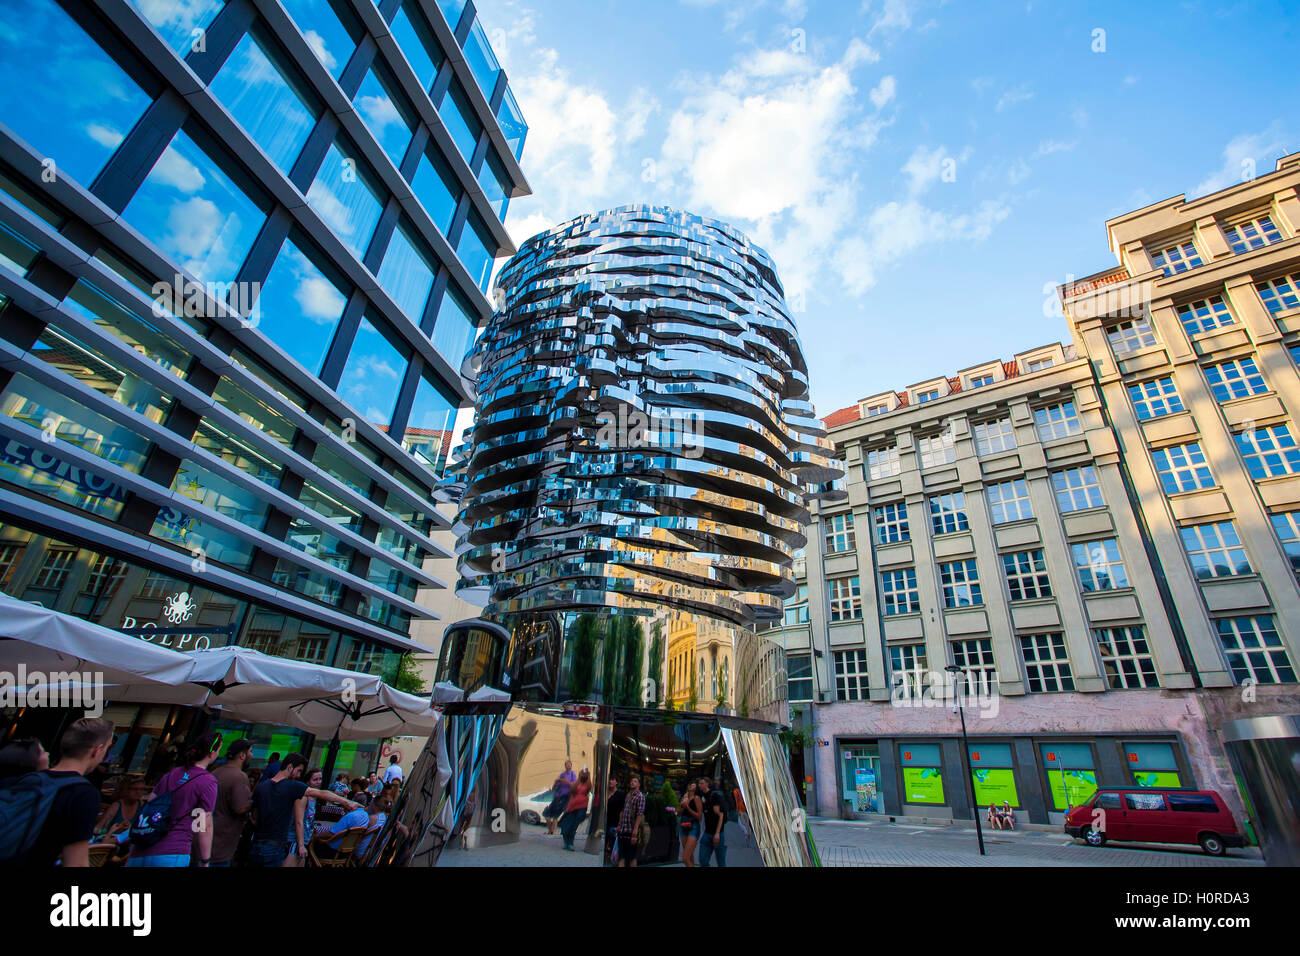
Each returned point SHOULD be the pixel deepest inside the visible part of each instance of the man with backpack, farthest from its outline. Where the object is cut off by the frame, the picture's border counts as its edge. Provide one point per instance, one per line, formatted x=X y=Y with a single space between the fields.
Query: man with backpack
x=48 y=817
x=166 y=830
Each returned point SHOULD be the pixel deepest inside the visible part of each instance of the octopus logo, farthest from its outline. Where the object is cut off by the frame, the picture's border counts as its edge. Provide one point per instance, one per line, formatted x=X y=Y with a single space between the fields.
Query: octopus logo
x=179 y=608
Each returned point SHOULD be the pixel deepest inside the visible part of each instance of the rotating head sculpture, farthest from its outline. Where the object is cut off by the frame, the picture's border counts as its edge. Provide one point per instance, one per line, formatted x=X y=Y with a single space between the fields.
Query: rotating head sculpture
x=641 y=463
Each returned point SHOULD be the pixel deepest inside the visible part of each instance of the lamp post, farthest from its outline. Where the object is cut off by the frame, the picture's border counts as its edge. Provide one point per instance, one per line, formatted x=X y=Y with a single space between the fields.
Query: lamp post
x=965 y=753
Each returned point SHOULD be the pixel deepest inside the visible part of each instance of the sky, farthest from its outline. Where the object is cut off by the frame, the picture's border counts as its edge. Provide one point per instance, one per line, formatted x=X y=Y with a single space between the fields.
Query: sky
x=923 y=172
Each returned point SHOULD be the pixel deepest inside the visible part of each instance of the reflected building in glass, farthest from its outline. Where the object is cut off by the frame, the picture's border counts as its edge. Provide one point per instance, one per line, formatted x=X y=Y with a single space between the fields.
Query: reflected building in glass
x=244 y=249
x=635 y=484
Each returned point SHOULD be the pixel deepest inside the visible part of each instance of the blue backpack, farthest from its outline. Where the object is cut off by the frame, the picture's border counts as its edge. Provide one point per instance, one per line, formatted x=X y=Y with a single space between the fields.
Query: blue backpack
x=24 y=804
x=153 y=821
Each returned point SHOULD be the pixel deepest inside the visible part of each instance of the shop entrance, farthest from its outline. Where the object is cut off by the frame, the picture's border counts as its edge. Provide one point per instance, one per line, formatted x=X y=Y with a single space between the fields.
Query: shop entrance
x=860 y=778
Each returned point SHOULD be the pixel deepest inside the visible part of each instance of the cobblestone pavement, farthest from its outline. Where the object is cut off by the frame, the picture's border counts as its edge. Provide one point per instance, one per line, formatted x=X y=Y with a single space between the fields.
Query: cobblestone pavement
x=535 y=848
x=868 y=843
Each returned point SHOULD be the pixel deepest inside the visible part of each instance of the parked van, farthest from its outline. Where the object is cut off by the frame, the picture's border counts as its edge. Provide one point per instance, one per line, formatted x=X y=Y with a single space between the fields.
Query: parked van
x=1152 y=815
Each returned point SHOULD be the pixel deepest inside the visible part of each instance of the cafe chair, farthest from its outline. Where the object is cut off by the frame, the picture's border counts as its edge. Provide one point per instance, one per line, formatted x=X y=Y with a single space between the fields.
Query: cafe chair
x=100 y=854
x=348 y=841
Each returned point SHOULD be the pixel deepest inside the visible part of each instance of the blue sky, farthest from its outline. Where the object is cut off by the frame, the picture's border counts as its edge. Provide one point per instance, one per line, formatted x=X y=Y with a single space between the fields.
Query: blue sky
x=924 y=173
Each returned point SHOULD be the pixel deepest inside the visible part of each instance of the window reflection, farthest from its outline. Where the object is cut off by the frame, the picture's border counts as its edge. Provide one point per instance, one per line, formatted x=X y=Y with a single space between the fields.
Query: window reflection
x=512 y=123
x=436 y=188
x=454 y=329
x=459 y=120
x=405 y=274
x=64 y=95
x=429 y=429
x=341 y=196
x=413 y=35
x=329 y=39
x=386 y=112
x=373 y=374
x=477 y=251
x=496 y=185
x=451 y=9
x=177 y=22
x=482 y=62
x=195 y=212
x=299 y=308
x=179 y=524
x=260 y=99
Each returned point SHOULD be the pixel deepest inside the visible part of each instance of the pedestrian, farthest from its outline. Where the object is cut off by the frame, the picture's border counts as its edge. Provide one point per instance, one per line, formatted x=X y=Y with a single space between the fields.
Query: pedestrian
x=48 y=816
x=22 y=757
x=275 y=803
x=713 y=839
x=690 y=812
x=193 y=791
x=234 y=800
x=613 y=809
x=742 y=815
x=272 y=766
x=576 y=809
x=560 y=799
x=306 y=809
x=629 y=824
x=394 y=772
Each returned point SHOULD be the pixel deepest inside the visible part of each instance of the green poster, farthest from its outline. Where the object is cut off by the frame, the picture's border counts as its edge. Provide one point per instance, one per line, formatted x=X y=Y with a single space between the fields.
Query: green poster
x=922 y=785
x=995 y=786
x=1156 y=778
x=1082 y=785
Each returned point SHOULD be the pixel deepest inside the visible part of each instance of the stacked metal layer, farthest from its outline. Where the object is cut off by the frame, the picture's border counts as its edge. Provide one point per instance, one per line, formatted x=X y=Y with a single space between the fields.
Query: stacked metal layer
x=643 y=435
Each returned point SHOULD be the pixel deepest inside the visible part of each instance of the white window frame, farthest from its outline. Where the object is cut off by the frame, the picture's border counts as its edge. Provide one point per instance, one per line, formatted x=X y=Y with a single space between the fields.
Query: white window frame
x=839 y=537
x=1057 y=421
x=951 y=504
x=959 y=581
x=974 y=655
x=1180 y=257
x=891 y=523
x=1280 y=294
x=1026 y=575
x=935 y=451
x=1047 y=663
x=1074 y=483
x=844 y=598
x=1155 y=398
x=1215 y=550
x=1183 y=466
x=993 y=436
x=1274 y=455
x=1126 y=657
x=899 y=593
x=1255 y=651
x=1131 y=335
x=908 y=661
x=1246 y=235
x=1100 y=565
x=1007 y=503
x=1205 y=315
x=884 y=462
x=851 y=674
x=1235 y=378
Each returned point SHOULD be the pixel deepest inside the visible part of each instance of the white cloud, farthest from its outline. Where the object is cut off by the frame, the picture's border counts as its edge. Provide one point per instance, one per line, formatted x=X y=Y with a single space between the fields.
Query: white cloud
x=319 y=300
x=883 y=92
x=322 y=51
x=197 y=234
x=1049 y=146
x=104 y=135
x=178 y=172
x=893 y=16
x=1246 y=156
x=379 y=112
x=1011 y=97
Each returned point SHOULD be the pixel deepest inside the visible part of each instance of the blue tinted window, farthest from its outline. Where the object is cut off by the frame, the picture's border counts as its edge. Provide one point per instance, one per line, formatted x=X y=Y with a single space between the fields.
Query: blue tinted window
x=452 y=9
x=178 y=523
x=512 y=123
x=459 y=120
x=416 y=40
x=454 y=330
x=62 y=93
x=476 y=251
x=405 y=275
x=496 y=185
x=257 y=95
x=373 y=375
x=436 y=188
x=176 y=22
x=299 y=308
x=386 y=113
x=429 y=428
x=329 y=39
x=341 y=197
x=195 y=213
x=482 y=62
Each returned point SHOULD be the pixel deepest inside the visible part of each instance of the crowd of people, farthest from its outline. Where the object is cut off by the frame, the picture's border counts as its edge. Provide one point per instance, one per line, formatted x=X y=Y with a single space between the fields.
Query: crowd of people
x=211 y=809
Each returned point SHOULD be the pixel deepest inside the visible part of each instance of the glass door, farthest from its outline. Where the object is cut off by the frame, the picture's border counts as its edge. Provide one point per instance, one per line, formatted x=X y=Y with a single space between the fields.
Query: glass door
x=860 y=778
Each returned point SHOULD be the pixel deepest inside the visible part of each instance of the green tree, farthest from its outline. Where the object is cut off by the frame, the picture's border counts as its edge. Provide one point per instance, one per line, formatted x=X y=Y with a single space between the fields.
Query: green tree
x=585 y=641
x=407 y=677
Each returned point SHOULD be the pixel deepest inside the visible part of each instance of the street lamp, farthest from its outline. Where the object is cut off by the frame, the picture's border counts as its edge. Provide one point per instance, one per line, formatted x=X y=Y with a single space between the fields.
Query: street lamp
x=965 y=753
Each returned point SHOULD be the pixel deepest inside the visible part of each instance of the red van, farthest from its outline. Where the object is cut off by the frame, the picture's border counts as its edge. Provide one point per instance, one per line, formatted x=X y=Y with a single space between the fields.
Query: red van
x=1152 y=815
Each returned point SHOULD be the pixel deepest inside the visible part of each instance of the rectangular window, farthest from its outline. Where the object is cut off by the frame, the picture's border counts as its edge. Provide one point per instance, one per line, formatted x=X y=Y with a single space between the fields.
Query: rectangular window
x=1280 y=294
x=55 y=565
x=1255 y=650
x=1077 y=489
x=891 y=523
x=1182 y=468
x=10 y=552
x=1252 y=234
x=839 y=533
x=1100 y=565
x=937 y=449
x=1215 y=550
x=799 y=676
x=1009 y=501
x=898 y=592
x=405 y=273
x=1155 y=398
x=344 y=195
x=796 y=607
x=908 y=669
x=1177 y=258
x=923 y=397
x=960 y=583
x=1037 y=365
x=1235 y=379
x=1287 y=526
x=1269 y=451
x=851 y=675
x=1026 y=575
x=975 y=658
x=845 y=598
x=874 y=410
x=883 y=463
x=1126 y=657
x=1131 y=335
x=995 y=436
x=1205 y=315
x=1057 y=421
x=948 y=513
x=1047 y=666
x=459 y=118
x=979 y=381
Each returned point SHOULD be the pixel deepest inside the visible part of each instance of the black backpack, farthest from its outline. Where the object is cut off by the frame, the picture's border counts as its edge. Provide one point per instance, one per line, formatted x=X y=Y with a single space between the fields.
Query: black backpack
x=25 y=803
x=153 y=821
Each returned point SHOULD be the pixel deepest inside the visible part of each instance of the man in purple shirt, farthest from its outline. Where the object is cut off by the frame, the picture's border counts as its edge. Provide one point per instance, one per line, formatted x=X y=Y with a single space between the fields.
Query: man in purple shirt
x=194 y=794
x=561 y=788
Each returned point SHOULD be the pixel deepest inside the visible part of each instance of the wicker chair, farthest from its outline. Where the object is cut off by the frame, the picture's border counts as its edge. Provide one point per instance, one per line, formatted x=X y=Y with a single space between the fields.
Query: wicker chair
x=348 y=841
x=100 y=854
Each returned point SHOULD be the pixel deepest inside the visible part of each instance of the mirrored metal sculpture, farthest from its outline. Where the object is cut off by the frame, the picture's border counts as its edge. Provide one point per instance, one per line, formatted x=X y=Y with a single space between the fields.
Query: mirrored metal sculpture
x=635 y=486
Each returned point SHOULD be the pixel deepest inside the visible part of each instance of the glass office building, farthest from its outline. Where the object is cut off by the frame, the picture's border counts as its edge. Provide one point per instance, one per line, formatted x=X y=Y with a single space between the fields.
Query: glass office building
x=244 y=249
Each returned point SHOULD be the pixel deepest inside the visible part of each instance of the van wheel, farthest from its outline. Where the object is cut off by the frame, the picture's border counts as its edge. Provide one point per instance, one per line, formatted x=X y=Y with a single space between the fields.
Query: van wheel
x=1094 y=837
x=1212 y=844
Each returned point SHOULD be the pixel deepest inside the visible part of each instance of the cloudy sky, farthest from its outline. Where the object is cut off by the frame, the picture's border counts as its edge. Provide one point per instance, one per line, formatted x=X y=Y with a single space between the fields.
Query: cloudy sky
x=923 y=172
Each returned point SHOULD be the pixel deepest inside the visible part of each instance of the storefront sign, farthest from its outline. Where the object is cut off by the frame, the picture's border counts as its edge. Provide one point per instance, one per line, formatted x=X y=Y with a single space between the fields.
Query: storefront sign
x=864 y=780
x=1157 y=778
x=922 y=785
x=87 y=482
x=994 y=786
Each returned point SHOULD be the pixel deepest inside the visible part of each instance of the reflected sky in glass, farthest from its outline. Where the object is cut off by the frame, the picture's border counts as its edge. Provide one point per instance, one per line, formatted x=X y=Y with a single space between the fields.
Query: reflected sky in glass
x=341 y=197
x=436 y=188
x=61 y=92
x=459 y=120
x=323 y=31
x=176 y=20
x=496 y=185
x=250 y=86
x=389 y=123
x=194 y=213
x=373 y=375
x=482 y=61
x=472 y=250
x=299 y=308
x=454 y=329
x=424 y=57
x=405 y=275
x=452 y=9
x=428 y=430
